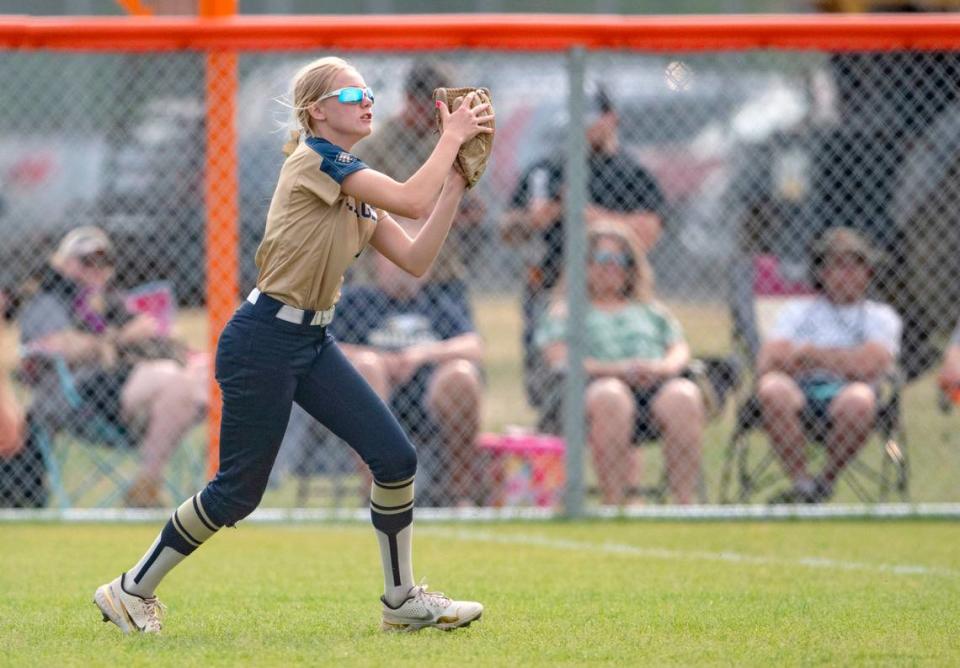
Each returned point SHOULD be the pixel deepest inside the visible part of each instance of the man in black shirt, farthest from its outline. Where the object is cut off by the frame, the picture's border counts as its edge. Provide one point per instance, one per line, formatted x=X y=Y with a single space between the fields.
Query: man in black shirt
x=619 y=191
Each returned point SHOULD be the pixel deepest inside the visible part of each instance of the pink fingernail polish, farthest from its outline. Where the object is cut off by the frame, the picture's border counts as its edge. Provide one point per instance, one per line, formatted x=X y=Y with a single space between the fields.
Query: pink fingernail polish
x=439 y=104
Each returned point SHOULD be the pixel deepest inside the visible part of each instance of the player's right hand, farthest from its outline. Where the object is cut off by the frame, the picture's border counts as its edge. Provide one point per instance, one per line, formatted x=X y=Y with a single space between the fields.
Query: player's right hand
x=466 y=121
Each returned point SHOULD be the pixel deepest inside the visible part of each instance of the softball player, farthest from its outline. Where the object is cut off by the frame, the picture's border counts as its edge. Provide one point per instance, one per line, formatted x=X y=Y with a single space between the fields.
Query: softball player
x=275 y=350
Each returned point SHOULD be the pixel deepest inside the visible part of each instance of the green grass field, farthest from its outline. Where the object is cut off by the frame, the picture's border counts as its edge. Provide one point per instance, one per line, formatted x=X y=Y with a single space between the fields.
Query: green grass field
x=613 y=593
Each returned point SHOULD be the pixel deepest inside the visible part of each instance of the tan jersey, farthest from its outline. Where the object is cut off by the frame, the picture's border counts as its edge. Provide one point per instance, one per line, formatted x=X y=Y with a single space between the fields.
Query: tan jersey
x=313 y=230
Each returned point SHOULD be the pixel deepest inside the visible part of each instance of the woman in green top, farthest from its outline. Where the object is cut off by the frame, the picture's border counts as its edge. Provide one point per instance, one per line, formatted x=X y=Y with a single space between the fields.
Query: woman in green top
x=635 y=354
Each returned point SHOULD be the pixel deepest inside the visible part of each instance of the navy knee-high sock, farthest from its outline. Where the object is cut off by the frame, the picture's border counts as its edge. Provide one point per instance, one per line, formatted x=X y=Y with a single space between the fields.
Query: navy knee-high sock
x=186 y=530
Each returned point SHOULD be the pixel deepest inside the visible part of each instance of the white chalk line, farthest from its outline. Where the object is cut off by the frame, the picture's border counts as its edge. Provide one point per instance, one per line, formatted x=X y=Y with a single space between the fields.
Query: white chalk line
x=534 y=540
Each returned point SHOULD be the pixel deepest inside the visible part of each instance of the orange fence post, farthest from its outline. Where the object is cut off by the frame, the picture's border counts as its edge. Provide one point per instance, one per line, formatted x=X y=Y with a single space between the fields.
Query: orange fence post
x=134 y=7
x=222 y=239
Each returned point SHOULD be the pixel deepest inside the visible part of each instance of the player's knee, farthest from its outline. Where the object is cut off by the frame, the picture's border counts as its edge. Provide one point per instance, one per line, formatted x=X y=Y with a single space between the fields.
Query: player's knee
x=226 y=509
x=399 y=464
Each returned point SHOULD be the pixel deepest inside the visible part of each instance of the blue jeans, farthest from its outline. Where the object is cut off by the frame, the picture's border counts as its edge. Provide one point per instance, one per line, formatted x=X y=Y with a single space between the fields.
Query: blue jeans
x=263 y=365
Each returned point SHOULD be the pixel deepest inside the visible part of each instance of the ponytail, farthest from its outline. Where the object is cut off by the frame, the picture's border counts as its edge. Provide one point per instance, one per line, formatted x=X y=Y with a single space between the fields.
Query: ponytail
x=292 y=144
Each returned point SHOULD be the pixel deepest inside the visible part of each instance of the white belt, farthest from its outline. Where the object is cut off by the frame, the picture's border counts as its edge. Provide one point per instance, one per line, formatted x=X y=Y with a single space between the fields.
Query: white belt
x=295 y=315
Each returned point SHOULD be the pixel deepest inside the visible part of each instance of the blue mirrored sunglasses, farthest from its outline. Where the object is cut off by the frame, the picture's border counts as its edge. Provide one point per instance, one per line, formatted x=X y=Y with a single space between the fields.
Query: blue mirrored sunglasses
x=621 y=260
x=350 y=95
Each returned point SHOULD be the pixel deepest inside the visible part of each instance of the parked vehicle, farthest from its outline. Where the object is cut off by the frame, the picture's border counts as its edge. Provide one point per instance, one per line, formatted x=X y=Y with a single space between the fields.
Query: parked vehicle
x=145 y=190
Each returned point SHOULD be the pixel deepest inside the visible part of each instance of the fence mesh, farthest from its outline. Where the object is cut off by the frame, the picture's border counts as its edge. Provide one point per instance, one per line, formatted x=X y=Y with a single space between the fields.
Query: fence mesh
x=737 y=349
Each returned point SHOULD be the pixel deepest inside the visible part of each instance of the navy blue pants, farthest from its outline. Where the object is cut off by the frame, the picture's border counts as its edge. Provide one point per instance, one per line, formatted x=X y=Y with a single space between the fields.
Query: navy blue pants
x=265 y=364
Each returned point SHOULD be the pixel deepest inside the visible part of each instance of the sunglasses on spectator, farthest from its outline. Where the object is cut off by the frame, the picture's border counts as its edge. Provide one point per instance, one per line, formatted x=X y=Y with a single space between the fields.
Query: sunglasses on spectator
x=349 y=95
x=605 y=257
x=98 y=260
x=848 y=259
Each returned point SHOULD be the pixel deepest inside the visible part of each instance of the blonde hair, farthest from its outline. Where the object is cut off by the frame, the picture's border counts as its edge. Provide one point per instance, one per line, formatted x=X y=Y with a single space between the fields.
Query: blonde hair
x=313 y=81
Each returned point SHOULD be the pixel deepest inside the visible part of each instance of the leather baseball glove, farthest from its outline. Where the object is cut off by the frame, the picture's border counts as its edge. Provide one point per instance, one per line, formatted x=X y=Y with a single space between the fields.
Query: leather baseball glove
x=474 y=154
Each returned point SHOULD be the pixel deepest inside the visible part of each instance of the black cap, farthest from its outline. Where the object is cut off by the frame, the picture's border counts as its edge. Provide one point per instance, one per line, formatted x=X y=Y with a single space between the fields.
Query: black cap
x=423 y=77
x=601 y=101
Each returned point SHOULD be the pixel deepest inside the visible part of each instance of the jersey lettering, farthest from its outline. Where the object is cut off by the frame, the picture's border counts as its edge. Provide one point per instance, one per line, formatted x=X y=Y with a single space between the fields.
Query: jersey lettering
x=362 y=209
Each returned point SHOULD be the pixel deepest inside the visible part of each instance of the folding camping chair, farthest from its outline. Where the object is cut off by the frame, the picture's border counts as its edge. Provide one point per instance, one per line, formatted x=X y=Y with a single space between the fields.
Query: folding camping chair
x=90 y=460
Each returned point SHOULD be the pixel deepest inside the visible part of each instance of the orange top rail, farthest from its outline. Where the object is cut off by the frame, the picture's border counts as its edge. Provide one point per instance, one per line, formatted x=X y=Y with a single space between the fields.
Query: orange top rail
x=531 y=32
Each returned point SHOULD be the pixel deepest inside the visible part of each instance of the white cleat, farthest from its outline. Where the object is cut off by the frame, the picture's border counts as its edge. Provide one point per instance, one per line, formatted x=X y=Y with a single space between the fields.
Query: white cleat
x=424 y=608
x=128 y=611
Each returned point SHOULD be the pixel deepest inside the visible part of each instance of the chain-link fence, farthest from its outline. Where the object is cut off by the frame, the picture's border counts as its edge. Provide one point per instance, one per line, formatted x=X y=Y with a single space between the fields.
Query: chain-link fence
x=736 y=347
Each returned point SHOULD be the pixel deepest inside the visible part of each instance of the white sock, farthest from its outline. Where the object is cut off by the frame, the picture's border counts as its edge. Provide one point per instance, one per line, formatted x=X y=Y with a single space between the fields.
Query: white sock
x=396 y=593
x=151 y=575
x=391 y=510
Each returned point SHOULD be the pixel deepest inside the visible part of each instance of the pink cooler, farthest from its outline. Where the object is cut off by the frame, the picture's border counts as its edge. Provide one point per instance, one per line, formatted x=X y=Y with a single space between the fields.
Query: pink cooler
x=528 y=468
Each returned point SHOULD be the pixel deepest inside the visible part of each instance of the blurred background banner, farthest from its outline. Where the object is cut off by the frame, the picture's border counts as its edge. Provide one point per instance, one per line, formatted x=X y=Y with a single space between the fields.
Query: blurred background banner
x=738 y=348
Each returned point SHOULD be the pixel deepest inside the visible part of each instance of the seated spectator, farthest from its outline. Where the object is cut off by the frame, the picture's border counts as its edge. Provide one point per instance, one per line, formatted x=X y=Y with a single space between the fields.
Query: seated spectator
x=11 y=419
x=949 y=376
x=618 y=190
x=635 y=355
x=421 y=354
x=22 y=481
x=823 y=361
x=125 y=370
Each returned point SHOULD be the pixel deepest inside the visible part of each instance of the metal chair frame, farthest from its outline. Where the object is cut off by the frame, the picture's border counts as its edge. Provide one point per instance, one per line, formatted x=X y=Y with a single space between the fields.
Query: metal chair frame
x=108 y=447
x=746 y=473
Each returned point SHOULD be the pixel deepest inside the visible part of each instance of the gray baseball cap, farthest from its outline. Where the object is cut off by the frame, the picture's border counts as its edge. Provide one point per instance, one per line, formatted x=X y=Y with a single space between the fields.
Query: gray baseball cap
x=83 y=241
